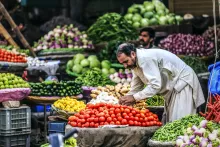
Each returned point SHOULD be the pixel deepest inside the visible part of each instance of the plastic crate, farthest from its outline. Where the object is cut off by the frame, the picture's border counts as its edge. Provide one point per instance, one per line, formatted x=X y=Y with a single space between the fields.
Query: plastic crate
x=40 y=108
x=15 y=141
x=56 y=127
x=15 y=120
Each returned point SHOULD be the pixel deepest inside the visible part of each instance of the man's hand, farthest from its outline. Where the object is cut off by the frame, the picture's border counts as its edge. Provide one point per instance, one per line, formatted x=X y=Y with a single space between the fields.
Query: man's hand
x=127 y=100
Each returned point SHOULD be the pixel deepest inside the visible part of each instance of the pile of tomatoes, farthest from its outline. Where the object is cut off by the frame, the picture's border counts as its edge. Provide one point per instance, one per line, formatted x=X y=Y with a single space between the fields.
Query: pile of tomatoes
x=8 y=56
x=104 y=114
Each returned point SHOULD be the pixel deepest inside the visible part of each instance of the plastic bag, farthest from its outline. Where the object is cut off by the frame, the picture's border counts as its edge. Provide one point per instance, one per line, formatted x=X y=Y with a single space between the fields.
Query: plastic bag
x=214 y=78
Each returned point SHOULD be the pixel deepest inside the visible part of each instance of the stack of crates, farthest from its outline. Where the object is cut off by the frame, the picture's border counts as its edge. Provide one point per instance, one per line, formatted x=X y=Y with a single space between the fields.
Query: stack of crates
x=15 y=127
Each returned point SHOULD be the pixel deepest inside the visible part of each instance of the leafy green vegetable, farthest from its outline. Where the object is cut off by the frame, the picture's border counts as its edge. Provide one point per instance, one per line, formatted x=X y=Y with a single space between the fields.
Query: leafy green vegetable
x=193 y=63
x=94 y=77
x=111 y=26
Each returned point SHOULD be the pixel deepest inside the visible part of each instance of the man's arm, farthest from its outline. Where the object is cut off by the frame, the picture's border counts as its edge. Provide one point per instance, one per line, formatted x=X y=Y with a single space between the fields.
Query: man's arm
x=152 y=74
x=136 y=84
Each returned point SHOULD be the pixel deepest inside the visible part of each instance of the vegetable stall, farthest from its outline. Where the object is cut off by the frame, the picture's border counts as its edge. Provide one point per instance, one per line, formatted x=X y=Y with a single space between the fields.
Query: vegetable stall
x=82 y=83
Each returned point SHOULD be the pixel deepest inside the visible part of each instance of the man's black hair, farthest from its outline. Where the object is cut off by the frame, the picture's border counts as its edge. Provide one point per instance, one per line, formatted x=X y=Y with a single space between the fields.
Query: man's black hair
x=150 y=31
x=125 y=48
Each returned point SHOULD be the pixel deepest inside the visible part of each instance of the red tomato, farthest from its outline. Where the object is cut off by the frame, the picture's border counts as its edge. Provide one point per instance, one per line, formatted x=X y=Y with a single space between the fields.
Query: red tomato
x=135 y=123
x=114 y=119
x=112 y=123
x=124 y=122
x=101 y=123
x=109 y=119
x=72 y=118
x=136 y=118
x=119 y=118
x=101 y=109
x=118 y=123
x=106 y=123
x=130 y=114
x=78 y=120
x=86 y=124
x=131 y=118
x=77 y=114
x=139 y=123
x=131 y=122
x=79 y=124
x=117 y=110
x=83 y=121
x=145 y=119
x=147 y=124
x=91 y=124
x=119 y=114
x=138 y=115
x=113 y=116
x=124 y=114
x=122 y=110
x=86 y=116
x=73 y=124
x=112 y=109
x=101 y=119
x=142 y=115
x=101 y=114
x=96 y=125
x=127 y=110
x=96 y=119
x=147 y=111
x=143 y=124
x=81 y=116
x=111 y=112
x=127 y=117
x=141 y=119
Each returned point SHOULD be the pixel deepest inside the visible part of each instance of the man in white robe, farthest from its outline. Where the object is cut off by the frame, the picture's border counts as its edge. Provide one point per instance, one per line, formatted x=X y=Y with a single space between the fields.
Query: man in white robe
x=163 y=73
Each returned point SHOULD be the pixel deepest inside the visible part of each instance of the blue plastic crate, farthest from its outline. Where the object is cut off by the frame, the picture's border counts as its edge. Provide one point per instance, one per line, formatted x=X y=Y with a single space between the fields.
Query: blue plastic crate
x=40 y=108
x=57 y=127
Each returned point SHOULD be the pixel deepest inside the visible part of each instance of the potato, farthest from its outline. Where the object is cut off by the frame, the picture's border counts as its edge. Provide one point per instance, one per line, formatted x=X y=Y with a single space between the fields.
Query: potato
x=93 y=95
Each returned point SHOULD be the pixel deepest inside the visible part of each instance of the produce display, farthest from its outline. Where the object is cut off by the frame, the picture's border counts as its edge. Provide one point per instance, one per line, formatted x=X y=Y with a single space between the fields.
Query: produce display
x=17 y=51
x=94 y=78
x=11 y=56
x=209 y=34
x=123 y=76
x=103 y=114
x=80 y=64
x=35 y=62
x=111 y=26
x=71 y=142
x=171 y=131
x=50 y=88
x=64 y=37
x=156 y=100
x=193 y=63
x=8 y=80
x=151 y=13
x=213 y=111
x=187 y=44
x=69 y=104
x=204 y=135
x=116 y=91
x=103 y=97
x=112 y=29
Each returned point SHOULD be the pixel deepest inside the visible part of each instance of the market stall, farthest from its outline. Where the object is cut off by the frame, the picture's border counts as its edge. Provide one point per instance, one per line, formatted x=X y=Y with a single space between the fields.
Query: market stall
x=84 y=83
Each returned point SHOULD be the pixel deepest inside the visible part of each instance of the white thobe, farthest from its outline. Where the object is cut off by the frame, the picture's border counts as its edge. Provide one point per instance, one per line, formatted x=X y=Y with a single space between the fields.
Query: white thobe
x=164 y=73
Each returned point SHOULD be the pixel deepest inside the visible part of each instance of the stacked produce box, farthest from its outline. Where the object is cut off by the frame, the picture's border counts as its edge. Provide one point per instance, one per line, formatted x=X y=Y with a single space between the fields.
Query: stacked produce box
x=15 y=126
